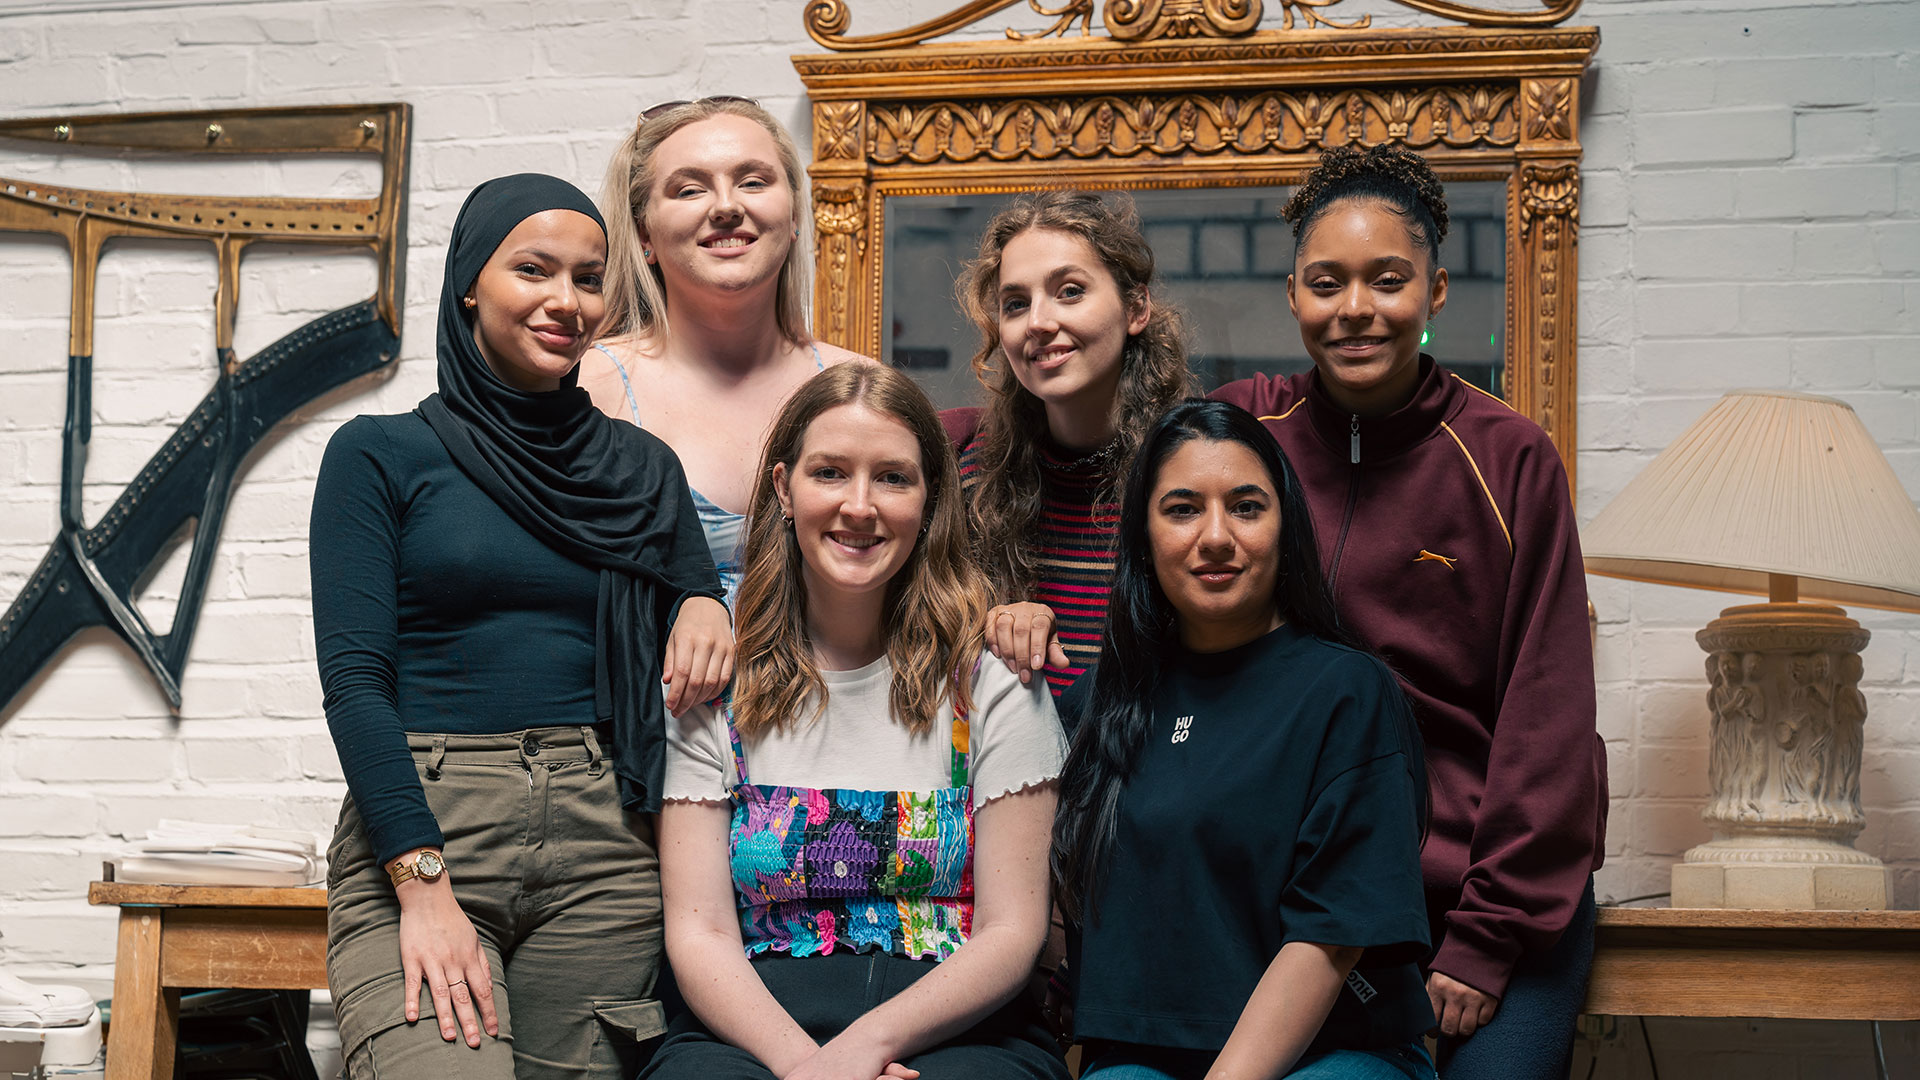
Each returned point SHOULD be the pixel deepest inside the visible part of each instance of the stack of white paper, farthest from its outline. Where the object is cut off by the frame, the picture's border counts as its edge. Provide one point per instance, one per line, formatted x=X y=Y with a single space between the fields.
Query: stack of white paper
x=36 y=1005
x=193 y=853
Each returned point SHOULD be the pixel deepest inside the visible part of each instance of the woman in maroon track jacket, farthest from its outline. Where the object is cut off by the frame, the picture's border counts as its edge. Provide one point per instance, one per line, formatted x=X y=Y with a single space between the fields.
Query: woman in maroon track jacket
x=1448 y=533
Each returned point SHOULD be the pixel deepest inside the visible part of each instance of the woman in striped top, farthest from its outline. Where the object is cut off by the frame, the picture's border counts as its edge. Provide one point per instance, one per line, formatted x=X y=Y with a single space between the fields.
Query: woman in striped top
x=1077 y=360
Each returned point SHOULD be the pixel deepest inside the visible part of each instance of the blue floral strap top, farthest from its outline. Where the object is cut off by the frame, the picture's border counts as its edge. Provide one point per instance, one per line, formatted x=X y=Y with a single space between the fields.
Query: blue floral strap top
x=725 y=530
x=818 y=870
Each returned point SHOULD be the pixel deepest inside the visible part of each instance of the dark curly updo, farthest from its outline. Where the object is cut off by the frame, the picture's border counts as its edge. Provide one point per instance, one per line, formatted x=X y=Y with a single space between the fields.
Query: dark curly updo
x=1393 y=175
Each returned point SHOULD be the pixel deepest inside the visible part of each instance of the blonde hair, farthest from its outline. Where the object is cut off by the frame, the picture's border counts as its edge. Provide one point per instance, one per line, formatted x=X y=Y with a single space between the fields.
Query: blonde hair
x=936 y=605
x=636 y=294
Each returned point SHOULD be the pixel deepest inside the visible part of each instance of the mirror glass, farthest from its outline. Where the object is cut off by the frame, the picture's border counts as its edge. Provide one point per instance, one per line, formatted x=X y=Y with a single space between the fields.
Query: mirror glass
x=1222 y=254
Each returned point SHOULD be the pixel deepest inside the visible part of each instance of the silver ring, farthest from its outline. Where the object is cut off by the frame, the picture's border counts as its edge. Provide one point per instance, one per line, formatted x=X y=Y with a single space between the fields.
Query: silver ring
x=456 y=982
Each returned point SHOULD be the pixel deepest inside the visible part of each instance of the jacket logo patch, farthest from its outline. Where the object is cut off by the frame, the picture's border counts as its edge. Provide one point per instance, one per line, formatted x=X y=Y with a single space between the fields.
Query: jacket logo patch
x=1361 y=988
x=1428 y=556
x=1180 y=729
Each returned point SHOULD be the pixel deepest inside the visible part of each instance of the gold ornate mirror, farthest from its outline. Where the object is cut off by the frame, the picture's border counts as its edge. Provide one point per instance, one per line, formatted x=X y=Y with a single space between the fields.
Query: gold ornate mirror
x=1207 y=123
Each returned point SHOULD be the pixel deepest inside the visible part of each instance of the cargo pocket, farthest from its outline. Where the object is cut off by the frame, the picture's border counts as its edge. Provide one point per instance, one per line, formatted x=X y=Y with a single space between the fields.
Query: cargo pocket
x=368 y=1010
x=624 y=1025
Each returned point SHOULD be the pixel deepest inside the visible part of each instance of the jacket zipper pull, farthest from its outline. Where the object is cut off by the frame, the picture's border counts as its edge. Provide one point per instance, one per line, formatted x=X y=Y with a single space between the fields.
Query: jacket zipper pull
x=1354 y=430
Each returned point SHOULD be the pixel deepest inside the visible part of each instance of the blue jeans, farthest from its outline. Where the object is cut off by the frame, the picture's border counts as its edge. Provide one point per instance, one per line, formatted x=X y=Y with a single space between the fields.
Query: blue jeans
x=1531 y=1035
x=1409 y=1062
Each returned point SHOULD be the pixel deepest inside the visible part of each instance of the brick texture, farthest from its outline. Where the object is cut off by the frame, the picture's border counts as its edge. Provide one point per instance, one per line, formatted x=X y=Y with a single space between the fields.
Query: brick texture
x=1751 y=217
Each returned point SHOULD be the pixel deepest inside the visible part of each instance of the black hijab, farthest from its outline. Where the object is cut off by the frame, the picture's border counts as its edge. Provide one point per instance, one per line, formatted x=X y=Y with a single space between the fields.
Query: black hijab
x=602 y=493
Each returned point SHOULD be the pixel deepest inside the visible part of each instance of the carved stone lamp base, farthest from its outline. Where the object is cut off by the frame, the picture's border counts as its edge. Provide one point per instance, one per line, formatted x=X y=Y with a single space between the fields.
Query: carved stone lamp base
x=1788 y=724
x=1703 y=882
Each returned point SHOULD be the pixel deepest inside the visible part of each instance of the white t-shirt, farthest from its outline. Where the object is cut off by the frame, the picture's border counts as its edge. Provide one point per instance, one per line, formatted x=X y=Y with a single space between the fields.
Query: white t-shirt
x=1014 y=739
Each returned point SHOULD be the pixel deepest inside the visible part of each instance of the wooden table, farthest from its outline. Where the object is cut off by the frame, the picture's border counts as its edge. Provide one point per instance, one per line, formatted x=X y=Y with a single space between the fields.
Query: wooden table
x=1813 y=965
x=1819 y=965
x=175 y=936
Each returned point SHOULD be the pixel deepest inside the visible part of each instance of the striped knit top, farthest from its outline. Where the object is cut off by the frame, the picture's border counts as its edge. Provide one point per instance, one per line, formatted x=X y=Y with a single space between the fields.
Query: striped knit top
x=1075 y=537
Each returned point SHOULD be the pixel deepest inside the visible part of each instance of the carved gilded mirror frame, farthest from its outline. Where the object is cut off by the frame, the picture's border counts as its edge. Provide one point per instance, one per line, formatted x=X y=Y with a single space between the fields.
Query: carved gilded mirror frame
x=975 y=117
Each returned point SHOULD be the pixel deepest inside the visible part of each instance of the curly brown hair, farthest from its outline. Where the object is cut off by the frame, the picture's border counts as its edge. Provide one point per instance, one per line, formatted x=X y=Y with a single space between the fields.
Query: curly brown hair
x=1392 y=175
x=1005 y=495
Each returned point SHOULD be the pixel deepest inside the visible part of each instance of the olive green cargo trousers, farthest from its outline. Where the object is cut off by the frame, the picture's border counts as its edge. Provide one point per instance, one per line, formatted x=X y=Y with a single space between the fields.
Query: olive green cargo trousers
x=563 y=888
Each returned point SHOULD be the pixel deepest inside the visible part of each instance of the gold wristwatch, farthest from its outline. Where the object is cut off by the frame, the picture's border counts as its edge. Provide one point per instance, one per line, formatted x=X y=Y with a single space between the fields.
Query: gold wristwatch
x=428 y=867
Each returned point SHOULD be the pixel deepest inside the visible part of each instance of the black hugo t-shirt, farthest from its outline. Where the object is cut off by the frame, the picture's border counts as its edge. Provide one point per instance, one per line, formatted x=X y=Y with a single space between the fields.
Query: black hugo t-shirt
x=1276 y=800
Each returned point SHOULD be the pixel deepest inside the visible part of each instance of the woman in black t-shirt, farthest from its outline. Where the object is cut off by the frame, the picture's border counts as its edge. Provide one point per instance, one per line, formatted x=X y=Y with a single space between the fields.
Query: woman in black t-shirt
x=1237 y=847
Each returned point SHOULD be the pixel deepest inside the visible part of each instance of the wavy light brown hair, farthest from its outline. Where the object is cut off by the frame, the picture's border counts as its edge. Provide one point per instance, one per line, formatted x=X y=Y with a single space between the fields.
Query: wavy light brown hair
x=636 y=295
x=1005 y=497
x=936 y=609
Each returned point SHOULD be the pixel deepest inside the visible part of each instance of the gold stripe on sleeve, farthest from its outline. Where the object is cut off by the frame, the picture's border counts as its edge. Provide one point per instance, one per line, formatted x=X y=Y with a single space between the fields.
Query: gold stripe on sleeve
x=1484 y=490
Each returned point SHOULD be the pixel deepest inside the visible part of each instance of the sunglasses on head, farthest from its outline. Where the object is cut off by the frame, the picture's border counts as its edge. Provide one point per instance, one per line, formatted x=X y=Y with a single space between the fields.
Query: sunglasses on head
x=649 y=114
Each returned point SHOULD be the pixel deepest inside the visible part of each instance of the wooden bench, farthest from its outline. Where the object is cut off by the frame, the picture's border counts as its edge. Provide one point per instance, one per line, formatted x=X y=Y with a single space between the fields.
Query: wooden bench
x=1812 y=965
x=1821 y=965
x=178 y=936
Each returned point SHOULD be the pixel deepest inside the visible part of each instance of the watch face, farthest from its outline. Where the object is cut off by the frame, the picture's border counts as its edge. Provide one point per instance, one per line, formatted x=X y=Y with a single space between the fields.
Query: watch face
x=429 y=866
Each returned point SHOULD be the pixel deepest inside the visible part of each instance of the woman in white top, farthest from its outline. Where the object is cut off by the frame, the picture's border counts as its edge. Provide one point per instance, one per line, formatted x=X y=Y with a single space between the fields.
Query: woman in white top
x=854 y=844
x=706 y=330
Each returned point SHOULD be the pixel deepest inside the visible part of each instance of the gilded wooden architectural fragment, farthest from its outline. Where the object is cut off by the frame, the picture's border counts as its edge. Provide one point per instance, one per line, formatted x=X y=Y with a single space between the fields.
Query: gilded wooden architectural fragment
x=1173 y=125
x=90 y=572
x=828 y=21
x=1202 y=112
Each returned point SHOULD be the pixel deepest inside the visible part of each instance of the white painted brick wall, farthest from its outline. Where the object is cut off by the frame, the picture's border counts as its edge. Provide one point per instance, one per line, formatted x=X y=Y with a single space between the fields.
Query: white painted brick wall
x=1751 y=217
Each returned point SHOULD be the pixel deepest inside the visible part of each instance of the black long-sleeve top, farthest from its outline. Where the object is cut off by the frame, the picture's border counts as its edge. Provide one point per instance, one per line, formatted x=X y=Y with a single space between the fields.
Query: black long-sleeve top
x=433 y=611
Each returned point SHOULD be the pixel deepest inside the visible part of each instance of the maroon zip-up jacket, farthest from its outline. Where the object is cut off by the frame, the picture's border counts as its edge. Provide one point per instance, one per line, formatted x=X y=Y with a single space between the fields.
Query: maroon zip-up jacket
x=1448 y=535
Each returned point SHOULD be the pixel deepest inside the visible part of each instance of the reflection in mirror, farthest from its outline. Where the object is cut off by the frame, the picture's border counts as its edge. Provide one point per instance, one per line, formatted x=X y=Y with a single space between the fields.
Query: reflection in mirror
x=1222 y=254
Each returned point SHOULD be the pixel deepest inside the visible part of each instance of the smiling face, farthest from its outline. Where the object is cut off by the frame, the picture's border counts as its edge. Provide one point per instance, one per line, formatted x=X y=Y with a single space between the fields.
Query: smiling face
x=1063 y=321
x=1363 y=290
x=1213 y=526
x=537 y=302
x=857 y=493
x=721 y=214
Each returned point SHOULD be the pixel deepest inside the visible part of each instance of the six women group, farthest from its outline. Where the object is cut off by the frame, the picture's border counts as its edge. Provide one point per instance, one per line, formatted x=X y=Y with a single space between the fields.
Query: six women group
x=663 y=631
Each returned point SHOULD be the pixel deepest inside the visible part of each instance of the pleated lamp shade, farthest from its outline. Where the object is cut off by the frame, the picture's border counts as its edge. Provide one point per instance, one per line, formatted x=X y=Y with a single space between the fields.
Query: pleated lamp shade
x=1767 y=482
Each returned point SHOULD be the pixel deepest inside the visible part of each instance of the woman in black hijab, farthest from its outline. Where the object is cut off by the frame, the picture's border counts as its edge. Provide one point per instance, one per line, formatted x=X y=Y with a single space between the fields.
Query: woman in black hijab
x=493 y=577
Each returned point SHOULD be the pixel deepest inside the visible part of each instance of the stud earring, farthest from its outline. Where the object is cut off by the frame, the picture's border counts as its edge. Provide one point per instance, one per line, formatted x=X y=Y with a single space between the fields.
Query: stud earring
x=646 y=253
x=469 y=301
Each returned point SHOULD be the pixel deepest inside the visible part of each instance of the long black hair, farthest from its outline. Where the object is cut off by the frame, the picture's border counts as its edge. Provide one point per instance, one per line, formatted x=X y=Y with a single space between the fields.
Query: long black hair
x=1141 y=631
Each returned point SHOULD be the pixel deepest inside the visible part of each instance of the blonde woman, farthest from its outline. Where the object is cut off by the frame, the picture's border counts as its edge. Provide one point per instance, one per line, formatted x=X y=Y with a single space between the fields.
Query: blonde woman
x=706 y=333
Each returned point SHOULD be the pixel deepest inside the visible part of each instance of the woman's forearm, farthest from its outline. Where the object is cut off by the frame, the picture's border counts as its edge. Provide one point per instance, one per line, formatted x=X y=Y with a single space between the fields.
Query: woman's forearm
x=728 y=996
x=985 y=974
x=1285 y=1011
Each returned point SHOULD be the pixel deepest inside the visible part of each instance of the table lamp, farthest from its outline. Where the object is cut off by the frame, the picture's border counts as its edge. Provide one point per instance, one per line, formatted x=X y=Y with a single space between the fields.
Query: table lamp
x=1783 y=495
